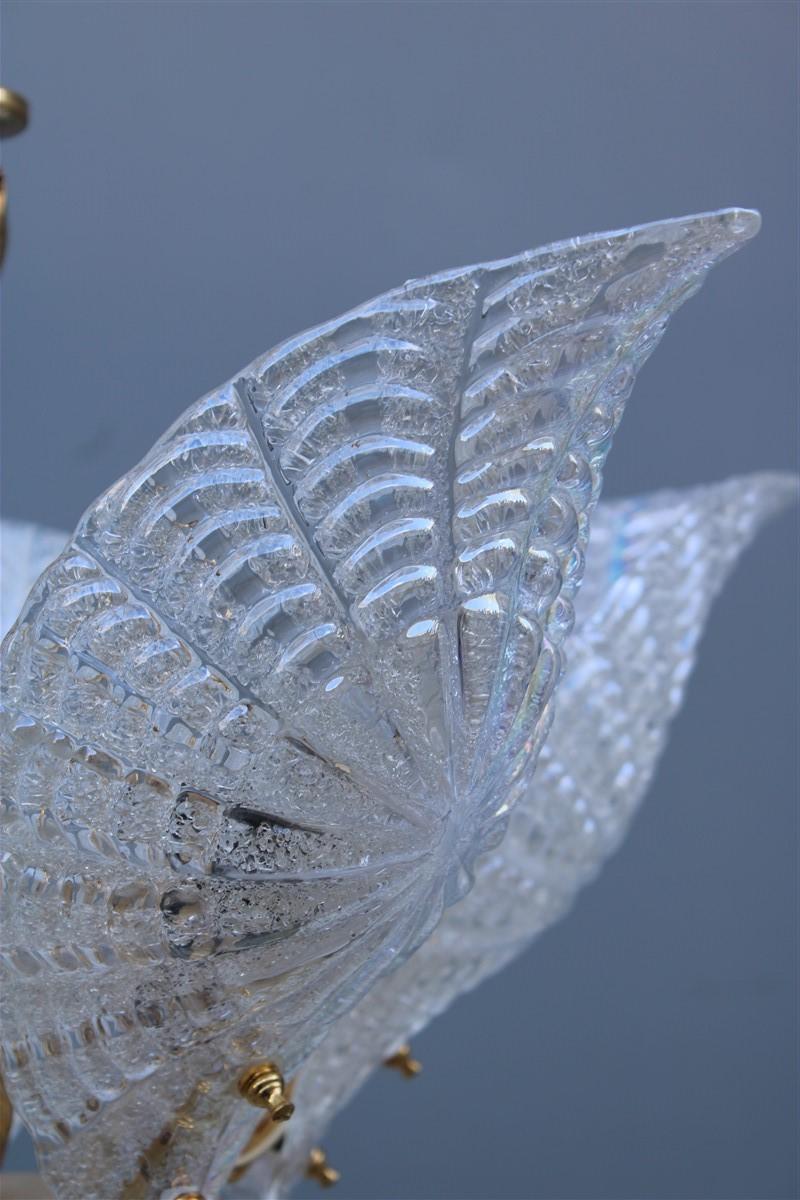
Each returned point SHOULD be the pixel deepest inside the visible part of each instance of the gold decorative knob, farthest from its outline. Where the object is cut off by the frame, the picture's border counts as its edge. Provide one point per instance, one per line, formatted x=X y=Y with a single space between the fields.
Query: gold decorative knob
x=13 y=113
x=318 y=1169
x=403 y=1062
x=13 y=119
x=263 y=1086
x=190 y=1196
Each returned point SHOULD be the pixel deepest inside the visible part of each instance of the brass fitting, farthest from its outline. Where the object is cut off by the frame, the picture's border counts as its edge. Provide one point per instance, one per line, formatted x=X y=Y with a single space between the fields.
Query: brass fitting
x=263 y=1086
x=318 y=1168
x=13 y=113
x=403 y=1062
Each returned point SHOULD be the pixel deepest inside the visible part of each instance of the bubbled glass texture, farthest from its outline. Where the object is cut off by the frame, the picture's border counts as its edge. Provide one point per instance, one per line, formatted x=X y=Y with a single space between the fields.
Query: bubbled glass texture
x=287 y=682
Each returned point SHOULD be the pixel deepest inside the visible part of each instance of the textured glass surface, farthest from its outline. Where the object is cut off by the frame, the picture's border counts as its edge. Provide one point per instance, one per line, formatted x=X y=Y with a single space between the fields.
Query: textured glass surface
x=654 y=566
x=287 y=682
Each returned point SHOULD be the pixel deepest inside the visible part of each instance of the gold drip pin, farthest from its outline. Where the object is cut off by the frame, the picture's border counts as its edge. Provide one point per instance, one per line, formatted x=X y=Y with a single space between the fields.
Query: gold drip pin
x=403 y=1062
x=267 y=1135
x=318 y=1168
x=263 y=1086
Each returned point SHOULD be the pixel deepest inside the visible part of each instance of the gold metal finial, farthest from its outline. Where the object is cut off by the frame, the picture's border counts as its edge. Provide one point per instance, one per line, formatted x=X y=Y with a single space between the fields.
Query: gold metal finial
x=318 y=1169
x=190 y=1196
x=13 y=113
x=13 y=119
x=403 y=1062
x=263 y=1086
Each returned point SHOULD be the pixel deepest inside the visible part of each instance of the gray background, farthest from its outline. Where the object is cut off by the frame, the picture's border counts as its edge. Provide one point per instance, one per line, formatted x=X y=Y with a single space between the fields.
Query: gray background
x=202 y=180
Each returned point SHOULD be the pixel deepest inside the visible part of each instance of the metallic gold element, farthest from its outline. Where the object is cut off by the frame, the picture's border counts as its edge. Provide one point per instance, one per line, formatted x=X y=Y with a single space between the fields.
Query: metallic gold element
x=155 y=1163
x=13 y=113
x=263 y=1086
x=190 y=1196
x=318 y=1169
x=13 y=119
x=6 y=1115
x=267 y=1135
x=260 y=1140
x=403 y=1062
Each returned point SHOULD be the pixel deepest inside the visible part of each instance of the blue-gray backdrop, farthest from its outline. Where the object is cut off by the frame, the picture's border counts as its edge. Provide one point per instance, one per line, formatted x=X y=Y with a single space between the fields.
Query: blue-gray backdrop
x=200 y=180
